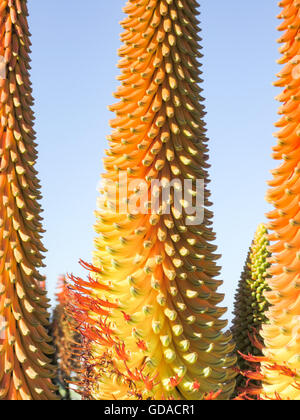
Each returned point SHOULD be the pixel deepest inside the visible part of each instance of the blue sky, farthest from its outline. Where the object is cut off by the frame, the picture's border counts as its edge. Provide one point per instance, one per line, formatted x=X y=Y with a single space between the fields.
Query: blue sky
x=74 y=57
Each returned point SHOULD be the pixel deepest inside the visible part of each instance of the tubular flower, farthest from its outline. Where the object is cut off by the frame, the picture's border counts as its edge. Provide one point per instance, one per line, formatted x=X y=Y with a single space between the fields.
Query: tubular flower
x=250 y=302
x=282 y=334
x=67 y=340
x=96 y=329
x=158 y=262
x=25 y=369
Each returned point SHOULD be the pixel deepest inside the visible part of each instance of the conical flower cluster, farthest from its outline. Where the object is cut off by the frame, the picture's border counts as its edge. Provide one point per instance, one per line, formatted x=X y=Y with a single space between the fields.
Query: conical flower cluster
x=155 y=280
x=66 y=340
x=250 y=302
x=25 y=369
x=282 y=334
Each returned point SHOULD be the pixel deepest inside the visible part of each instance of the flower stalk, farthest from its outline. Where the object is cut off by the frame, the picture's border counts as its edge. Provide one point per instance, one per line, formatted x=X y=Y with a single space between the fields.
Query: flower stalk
x=26 y=371
x=153 y=284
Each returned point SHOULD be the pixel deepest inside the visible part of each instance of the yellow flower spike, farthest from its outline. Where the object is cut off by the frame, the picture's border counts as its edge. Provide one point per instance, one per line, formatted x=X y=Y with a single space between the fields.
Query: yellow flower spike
x=161 y=264
x=25 y=365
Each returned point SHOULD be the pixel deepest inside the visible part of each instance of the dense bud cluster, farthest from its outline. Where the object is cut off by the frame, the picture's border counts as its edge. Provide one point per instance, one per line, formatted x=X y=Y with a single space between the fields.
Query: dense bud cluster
x=160 y=270
x=250 y=302
x=67 y=341
x=282 y=334
x=25 y=350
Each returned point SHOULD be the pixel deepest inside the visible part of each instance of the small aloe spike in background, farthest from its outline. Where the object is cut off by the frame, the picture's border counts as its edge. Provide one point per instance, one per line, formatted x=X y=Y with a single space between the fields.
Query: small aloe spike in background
x=250 y=303
x=25 y=350
x=67 y=341
x=154 y=280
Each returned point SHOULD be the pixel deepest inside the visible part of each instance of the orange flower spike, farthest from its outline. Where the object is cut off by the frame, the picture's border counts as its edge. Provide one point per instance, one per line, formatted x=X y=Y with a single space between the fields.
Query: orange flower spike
x=25 y=352
x=282 y=334
x=160 y=263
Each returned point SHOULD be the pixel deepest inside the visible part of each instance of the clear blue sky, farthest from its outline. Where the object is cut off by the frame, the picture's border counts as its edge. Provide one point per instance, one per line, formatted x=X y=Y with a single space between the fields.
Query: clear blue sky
x=74 y=57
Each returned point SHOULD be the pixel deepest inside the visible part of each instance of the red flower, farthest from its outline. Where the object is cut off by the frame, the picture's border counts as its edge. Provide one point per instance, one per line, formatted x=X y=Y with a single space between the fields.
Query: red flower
x=213 y=395
x=126 y=316
x=105 y=327
x=253 y=359
x=284 y=370
x=142 y=345
x=148 y=381
x=175 y=381
x=121 y=352
x=90 y=267
x=196 y=385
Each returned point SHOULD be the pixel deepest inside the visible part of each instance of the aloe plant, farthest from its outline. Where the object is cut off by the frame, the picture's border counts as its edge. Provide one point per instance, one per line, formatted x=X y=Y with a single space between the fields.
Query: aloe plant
x=67 y=341
x=150 y=310
x=281 y=368
x=278 y=369
x=25 y=350
x=250 y=303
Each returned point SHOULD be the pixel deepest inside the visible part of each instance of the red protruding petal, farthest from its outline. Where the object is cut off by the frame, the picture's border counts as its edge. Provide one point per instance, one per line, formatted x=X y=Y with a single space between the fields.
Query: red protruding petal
x=175 y=381
x=196 y=385
x=253 y=359
x=213 y=395
x=90 y=267
x=255 y=376
x=142 y=345
x=284 y=370
x=297 y=386
x=121 y=352
x=255 y=340
x=126 y=316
